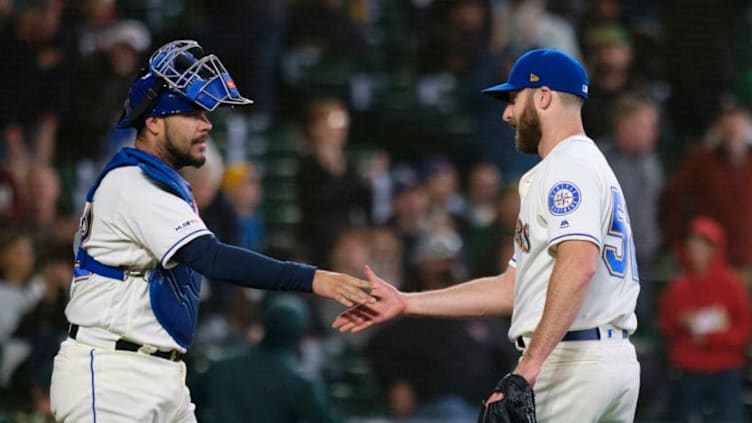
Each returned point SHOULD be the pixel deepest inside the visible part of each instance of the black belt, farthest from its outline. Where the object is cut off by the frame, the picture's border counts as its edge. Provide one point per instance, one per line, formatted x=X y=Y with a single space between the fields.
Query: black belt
x=123 y=345
x=592 y=334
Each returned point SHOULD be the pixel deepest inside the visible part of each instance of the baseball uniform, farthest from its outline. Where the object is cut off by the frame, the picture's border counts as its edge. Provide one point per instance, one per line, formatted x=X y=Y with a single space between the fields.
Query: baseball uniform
x=105 y=309
x=572 y=194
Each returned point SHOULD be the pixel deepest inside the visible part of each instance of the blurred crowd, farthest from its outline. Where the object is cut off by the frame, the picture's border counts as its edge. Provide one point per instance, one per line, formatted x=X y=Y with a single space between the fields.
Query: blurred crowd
x=369 y=143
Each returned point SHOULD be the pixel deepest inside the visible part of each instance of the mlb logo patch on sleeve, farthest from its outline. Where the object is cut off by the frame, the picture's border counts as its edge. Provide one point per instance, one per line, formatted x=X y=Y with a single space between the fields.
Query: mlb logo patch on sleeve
x=188 y=223
x=563 y=198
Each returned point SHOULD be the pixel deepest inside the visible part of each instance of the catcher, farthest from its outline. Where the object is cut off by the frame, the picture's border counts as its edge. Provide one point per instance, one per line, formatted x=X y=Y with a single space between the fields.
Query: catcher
x=572 y=284
x=142 y=248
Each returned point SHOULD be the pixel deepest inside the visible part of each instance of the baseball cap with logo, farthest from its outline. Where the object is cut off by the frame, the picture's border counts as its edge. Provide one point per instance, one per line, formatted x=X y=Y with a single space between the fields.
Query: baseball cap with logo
x=543 y=67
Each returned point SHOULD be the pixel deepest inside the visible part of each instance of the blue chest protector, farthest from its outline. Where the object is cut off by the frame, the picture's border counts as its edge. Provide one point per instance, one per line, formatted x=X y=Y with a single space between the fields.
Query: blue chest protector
x=174 y=292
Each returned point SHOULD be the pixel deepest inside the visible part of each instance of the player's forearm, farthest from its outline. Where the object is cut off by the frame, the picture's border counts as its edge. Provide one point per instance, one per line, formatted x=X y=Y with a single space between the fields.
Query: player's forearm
x=567 y=288
x=239 y=266
x=476 y=298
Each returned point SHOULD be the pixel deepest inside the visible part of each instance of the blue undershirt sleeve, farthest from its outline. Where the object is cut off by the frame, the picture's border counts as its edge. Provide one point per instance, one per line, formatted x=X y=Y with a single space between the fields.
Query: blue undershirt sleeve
x=219 y=261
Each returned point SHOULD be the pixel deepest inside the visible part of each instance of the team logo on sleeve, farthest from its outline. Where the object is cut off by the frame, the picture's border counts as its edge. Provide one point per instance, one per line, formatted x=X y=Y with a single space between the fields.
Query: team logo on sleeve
x=564 y=198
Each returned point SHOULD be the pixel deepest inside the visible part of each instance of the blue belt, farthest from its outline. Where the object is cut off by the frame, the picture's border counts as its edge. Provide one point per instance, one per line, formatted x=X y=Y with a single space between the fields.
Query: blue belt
x=89 y=263
x=592 y=334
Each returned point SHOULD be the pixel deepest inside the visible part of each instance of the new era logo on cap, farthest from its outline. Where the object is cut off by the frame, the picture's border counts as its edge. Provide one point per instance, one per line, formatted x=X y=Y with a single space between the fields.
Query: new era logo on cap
x=544 y=67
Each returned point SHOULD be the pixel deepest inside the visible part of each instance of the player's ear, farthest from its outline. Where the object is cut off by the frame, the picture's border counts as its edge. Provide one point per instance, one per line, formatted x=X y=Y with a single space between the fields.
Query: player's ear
x=544 y=97
x=153 y=124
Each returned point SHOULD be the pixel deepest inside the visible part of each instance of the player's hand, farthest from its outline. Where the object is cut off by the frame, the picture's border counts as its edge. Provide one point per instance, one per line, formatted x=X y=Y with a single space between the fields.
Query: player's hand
x=391 y=302
x=512 y=401
x=342 y=288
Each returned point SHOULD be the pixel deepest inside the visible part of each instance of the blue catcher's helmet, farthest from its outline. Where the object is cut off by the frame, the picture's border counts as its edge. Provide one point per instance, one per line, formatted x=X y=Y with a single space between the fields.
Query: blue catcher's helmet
x=179 y=79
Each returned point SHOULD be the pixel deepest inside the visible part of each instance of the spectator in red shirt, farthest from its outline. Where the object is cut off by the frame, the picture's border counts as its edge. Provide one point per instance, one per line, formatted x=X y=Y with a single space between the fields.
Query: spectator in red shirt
x=713 y=180
x=705 y=315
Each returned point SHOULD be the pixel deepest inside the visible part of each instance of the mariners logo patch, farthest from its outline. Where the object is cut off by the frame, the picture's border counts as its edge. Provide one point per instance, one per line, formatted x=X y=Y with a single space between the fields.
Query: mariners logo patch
x=564 y=198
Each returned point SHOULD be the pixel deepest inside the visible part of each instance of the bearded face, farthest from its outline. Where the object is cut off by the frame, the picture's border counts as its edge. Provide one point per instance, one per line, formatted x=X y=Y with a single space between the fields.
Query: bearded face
x=528 y=126
x=181 y=155
x=186 y=135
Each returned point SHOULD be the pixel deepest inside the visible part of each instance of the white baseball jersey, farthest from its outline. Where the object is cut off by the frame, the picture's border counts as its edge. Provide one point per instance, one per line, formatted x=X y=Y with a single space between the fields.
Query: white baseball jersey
x=134 y=224
x=572 y=194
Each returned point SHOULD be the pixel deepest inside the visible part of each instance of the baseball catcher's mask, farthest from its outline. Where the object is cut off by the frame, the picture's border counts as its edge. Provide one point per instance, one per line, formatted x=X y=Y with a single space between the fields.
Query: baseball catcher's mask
x=179 y=79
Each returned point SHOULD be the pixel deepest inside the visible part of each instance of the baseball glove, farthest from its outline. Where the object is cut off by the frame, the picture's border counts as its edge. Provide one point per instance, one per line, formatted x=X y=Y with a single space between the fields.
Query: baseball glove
x=517 y=406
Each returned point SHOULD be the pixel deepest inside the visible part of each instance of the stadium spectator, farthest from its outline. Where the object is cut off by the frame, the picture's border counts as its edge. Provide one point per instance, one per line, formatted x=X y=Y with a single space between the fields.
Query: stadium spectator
x=440 y=177
x=483 y=185
x=434 y=370
x=17 y=258
x=264 y=383
x=630 y=148
x=35 y=47
x=712 y=180
x=705 y=315
x=98 y=81
x=610 y=56
x=331 y=194
x=99 y=16
x=17 y=297
x=410 y=213
x=241 y=184
x=42 y=327
x=497 y=242
x=521 y=25
x=479 y=217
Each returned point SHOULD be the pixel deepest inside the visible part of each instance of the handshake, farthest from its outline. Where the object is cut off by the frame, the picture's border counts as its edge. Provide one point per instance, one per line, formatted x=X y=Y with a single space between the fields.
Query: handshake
x=512 y=401
x=383 y=303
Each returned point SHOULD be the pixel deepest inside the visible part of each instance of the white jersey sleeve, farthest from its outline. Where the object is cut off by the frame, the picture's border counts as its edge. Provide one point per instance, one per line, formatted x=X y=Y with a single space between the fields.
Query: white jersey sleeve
x=137 y=224
x=574 y=202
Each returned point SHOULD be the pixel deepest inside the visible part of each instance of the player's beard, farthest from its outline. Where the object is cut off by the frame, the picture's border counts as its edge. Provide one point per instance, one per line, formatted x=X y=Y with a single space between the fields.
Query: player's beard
x=179 y=155
x=528 y=128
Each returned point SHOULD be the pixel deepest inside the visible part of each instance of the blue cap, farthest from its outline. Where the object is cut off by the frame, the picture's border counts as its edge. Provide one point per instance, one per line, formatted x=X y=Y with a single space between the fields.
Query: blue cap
x=543 y=67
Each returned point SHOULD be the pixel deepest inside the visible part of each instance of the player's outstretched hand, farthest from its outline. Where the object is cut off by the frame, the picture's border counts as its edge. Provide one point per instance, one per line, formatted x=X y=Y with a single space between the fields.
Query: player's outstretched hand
x=342 y=288
x=391 y=302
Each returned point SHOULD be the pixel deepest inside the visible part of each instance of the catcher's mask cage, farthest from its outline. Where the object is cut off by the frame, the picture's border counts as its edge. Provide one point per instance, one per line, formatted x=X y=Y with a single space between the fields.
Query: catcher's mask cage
x=179 y=79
